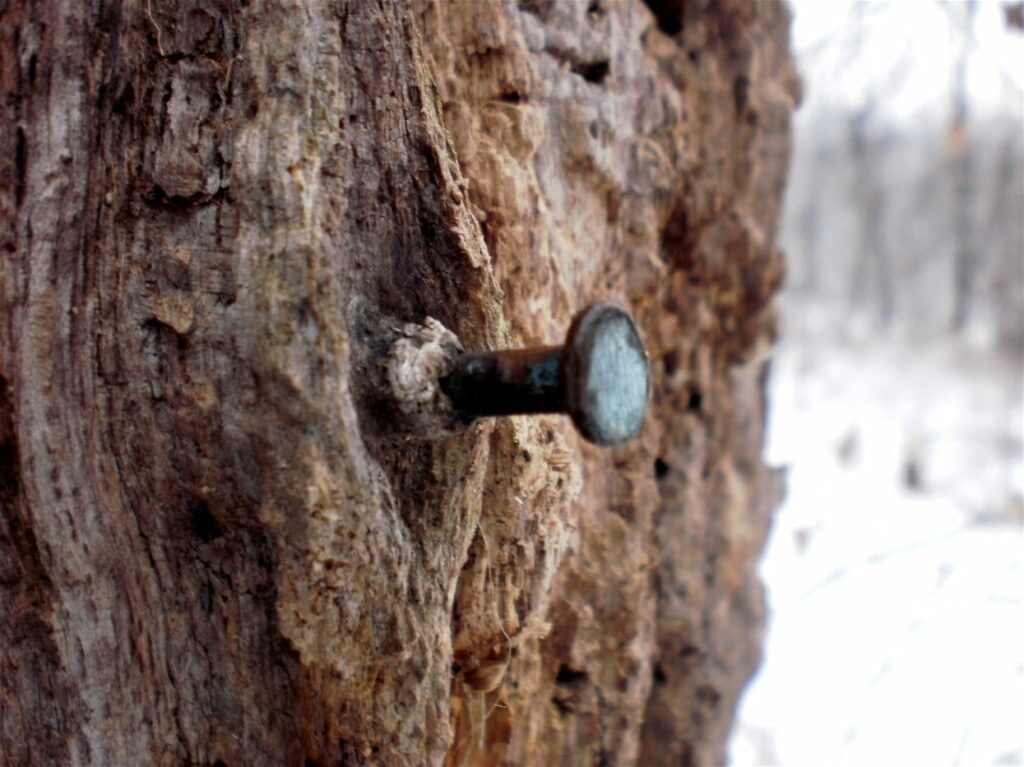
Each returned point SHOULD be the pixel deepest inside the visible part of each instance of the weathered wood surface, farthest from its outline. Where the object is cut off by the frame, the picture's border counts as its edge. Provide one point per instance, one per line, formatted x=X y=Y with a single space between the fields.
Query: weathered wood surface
x=217 y=545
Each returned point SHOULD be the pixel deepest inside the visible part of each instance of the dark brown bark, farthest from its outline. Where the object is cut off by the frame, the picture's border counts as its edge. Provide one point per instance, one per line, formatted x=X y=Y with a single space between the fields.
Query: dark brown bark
x=218 y=542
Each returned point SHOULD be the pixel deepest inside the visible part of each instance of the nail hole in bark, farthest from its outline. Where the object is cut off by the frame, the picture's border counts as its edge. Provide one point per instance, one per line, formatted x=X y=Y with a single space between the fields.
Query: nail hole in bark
x=20 y=163
x=570 y=677
x=203 y=524
x=659 y=674
x=570 y=683
x=741 y=93
x=694 y=402
x=671 y=360
x=16 y=530
x=660 y=468
x=595 y=72
x=123 y=101
x=669 y=15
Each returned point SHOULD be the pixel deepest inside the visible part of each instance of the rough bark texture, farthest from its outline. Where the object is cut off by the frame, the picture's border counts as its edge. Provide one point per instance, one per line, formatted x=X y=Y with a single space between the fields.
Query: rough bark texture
x=219 y=544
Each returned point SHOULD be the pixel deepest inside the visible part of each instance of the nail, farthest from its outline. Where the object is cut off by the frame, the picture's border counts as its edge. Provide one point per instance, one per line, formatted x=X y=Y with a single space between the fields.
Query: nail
x=599 y=377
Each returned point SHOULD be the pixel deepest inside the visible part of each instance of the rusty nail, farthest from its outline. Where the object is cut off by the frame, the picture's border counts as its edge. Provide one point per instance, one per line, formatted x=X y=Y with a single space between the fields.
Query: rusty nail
x=599 y=377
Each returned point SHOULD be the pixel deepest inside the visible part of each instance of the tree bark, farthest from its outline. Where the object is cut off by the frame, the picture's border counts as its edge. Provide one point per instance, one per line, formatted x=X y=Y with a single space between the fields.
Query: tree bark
x=219 y=544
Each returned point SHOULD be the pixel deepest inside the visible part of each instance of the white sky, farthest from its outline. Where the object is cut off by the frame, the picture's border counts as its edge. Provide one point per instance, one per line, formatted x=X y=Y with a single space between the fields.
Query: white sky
x=906 y=48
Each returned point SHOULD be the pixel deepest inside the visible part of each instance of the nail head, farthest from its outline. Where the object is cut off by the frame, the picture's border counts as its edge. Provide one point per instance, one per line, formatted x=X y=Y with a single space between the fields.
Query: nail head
x=607 y=375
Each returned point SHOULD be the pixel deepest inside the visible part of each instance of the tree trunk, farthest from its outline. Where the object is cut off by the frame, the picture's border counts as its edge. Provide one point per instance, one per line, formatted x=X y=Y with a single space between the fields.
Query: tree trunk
x=218 y=542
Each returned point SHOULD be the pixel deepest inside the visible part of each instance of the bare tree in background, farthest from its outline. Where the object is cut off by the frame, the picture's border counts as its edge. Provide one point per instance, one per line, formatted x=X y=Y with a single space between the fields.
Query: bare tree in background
x=872 y=271
x=872 y=213
x=965 y=257
x=1004 y=242
x=1003 y=233
x=903 y=205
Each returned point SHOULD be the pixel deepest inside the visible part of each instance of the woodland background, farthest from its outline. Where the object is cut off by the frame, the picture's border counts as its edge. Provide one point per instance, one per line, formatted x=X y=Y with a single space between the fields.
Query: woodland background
x=895 y=569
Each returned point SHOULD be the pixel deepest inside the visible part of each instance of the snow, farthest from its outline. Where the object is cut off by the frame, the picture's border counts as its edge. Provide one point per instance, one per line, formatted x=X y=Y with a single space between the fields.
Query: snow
x=897 y=604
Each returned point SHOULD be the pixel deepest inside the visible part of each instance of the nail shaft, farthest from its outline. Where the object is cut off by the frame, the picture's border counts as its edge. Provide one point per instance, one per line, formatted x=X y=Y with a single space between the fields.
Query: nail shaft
x=599 y=377
x=512 y=382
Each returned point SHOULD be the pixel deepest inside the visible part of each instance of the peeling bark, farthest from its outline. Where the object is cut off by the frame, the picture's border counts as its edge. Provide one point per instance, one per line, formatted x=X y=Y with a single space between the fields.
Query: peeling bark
x=220 y=541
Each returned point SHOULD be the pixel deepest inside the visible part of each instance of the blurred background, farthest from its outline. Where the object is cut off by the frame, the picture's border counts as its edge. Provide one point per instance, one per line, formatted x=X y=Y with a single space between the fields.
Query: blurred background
x=895 y=568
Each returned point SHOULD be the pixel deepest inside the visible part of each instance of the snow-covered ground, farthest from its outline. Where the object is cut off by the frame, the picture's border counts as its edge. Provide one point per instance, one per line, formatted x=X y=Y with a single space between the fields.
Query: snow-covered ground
x=895 y=567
